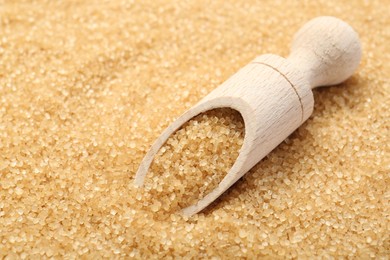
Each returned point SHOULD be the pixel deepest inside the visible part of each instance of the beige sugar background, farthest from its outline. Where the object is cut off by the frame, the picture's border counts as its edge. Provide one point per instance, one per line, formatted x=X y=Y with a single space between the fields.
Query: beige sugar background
x=86 y=86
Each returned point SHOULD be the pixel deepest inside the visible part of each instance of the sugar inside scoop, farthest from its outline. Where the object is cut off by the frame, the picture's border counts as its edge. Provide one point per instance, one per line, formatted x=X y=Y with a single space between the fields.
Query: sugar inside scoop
x=194 y=160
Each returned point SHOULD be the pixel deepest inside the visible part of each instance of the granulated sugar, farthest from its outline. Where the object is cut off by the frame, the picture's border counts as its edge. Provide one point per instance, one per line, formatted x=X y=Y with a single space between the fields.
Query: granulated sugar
x=194 y=160
x=87 y=86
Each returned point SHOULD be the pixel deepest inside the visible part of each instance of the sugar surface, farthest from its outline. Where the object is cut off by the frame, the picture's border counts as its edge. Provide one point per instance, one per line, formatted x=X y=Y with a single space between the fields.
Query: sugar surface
x=85 y=88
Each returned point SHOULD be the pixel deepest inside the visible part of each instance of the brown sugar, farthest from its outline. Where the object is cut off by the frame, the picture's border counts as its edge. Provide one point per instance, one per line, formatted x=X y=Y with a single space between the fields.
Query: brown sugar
x=87 y=86
x=195 y=159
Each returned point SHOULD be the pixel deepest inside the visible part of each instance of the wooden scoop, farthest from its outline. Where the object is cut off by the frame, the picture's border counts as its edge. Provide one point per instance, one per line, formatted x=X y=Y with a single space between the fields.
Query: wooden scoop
x=274 y=95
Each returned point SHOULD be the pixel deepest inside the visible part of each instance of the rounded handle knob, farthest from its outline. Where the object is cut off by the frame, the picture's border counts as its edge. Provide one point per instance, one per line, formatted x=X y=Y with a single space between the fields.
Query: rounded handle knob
x=327 y=50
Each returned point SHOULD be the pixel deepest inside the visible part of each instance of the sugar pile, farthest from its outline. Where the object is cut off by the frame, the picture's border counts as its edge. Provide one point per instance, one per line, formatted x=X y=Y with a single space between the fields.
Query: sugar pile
x=85 y=88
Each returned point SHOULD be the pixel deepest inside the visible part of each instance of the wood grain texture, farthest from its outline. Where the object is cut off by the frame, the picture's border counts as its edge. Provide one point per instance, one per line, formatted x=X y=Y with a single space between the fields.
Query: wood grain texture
x=273 y=95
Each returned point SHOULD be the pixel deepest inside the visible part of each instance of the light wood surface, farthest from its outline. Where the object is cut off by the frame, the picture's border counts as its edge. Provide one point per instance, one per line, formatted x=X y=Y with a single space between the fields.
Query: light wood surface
x=273 y=95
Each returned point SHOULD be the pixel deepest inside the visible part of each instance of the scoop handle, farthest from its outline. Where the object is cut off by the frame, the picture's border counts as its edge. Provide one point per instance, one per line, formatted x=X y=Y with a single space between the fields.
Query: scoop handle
x=326 y=50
